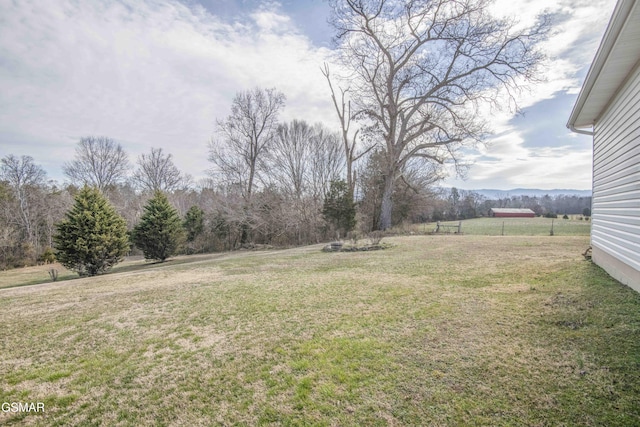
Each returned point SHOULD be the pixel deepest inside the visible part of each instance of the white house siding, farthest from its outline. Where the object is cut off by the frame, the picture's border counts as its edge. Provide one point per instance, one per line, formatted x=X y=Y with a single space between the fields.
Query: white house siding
x=615 y=234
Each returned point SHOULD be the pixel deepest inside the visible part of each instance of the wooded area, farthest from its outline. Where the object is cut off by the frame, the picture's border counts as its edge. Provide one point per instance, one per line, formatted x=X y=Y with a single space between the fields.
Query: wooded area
x=286 y=208
x=417 y=74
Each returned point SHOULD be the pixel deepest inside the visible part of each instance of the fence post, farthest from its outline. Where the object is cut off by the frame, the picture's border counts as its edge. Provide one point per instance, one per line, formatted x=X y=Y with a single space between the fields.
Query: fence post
x=459 y=227
x=503 y=228
x=551 y=234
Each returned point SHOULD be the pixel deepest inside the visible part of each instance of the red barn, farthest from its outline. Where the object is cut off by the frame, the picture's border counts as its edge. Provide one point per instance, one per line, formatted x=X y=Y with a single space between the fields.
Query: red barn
x=512 y=213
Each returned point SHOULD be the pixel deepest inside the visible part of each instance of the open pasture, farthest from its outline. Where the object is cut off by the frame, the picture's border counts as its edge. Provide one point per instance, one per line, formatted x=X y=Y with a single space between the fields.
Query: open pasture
x=436 y=330
x=538 y=226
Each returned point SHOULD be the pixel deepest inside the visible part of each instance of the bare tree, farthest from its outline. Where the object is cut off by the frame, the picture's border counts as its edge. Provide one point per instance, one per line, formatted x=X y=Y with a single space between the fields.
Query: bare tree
x=26 y=180
x=349 y=137
x=289 y=156
x=56 y=203
x=423 y=68
x=245 y=137
x=303 y=159
x=156 y=171
x=128 y=202
x=327 y=161
x=100 y=162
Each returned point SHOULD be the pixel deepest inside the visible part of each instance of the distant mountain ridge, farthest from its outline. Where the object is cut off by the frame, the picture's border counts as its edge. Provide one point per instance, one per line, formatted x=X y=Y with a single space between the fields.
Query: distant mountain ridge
x=531 y=192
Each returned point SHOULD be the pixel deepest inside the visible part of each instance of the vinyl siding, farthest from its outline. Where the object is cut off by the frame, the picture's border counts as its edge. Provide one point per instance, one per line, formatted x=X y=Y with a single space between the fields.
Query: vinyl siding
x=616 y=179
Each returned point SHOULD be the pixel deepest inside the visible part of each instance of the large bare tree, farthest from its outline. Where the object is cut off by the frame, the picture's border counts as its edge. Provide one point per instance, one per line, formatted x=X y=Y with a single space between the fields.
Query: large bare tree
x=156 y=171
x=245 y=136
x=422 y=69
x=99 y=162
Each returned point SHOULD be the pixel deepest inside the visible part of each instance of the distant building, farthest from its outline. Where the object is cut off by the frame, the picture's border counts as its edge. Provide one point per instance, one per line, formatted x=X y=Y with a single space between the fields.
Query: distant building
x=511 y=213
x=608 y=108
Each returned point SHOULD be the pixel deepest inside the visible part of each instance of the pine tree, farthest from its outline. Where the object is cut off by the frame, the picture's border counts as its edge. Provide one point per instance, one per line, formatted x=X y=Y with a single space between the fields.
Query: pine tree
x=93 y=237
x=159 y=232
x=339 y=209
x=193 y=223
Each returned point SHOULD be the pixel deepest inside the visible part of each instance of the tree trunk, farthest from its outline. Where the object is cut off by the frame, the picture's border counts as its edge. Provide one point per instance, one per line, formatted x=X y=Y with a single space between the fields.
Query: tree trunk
x=244 y=235
x=387 y=203
x=350 y=181
x=244 y=226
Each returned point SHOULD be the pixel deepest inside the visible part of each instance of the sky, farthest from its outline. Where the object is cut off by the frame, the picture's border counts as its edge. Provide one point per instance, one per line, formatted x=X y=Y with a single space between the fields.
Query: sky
x=151 y=73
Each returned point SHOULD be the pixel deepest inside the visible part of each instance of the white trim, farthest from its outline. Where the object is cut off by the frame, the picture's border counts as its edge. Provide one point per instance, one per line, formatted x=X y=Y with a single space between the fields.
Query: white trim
x=617 y=23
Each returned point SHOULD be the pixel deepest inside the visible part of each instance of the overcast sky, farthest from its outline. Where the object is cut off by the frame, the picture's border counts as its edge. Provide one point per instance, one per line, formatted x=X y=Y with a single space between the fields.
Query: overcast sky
x=159 y=73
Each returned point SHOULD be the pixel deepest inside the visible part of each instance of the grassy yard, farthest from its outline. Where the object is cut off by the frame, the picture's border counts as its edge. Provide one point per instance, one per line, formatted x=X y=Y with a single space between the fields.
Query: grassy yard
x=538 y=226
x=437 y=330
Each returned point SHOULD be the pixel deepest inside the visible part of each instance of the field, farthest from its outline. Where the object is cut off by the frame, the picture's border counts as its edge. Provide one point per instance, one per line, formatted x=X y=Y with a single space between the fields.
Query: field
x=436 y=330
x=516 y=226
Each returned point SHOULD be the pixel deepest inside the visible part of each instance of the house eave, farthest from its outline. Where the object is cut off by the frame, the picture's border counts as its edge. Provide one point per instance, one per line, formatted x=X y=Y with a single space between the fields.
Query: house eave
x=617 y=56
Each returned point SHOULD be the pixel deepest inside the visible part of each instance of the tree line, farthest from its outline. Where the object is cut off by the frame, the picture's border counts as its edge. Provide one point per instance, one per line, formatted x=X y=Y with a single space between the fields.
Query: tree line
x=415 y=77
x=454 y=204
x=281 y=204
x=297 y=200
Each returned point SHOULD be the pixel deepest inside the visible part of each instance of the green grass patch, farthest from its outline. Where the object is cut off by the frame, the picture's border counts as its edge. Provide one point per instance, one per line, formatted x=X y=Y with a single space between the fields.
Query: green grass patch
x=538 y=226
x=436 y=330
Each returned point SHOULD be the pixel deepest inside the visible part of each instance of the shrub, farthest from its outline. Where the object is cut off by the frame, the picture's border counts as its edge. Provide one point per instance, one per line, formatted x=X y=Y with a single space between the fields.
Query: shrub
x=48 y=256
x=354 y=236
x=376 y=237
x=339 y=210
x=193 y=223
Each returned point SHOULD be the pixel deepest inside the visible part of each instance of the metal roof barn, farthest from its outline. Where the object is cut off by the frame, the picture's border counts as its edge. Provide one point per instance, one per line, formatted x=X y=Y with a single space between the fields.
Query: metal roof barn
x=511 y=213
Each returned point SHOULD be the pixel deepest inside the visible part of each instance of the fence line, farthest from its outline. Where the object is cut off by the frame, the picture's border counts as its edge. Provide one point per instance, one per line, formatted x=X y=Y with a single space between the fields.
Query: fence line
x=513 y=227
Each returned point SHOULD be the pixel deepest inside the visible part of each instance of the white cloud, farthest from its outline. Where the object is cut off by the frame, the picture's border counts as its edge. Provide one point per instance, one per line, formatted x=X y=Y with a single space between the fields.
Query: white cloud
x=271 y=21
x=146 y=73
x=158 y=73
x=506 y=163
x=578 y=28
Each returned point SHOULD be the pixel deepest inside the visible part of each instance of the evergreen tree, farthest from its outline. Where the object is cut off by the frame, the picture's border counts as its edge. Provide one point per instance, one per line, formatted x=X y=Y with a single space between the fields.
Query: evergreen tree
x=159 y=232
x=339 y=209
x=193 y=223
x=93 y=237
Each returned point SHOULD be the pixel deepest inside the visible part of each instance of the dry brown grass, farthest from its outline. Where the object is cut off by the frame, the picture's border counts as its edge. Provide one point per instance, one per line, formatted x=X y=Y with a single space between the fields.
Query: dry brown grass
x=437 y=330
